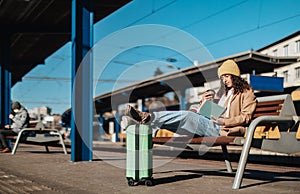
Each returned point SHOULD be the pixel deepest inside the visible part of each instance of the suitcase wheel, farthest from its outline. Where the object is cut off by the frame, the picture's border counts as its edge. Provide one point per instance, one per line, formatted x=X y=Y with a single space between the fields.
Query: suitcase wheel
x=130 y=182
x=148 y=182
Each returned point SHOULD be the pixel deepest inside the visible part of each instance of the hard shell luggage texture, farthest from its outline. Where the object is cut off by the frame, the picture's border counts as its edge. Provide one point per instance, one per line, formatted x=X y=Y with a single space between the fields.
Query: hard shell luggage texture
x=139 y=161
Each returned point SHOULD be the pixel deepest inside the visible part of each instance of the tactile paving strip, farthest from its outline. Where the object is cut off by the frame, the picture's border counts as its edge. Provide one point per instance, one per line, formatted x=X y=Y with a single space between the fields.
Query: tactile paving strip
x=13 y=184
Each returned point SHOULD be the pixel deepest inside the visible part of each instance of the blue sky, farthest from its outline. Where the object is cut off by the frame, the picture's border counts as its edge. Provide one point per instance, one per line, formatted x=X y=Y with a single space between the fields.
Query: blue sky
x=223 y=28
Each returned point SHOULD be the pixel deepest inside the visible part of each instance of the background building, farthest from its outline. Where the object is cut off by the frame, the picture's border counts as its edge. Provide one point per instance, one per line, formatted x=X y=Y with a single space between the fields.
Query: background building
x=285 y=47
x=38 y=112
x=288 y=46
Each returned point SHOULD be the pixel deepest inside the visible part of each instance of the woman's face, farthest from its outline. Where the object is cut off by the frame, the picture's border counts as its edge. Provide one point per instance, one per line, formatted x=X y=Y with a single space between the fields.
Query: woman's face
x=227 y=80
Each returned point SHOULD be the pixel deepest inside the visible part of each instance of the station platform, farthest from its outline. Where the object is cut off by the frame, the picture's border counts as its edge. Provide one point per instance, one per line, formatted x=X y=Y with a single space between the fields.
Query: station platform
x=32 y=170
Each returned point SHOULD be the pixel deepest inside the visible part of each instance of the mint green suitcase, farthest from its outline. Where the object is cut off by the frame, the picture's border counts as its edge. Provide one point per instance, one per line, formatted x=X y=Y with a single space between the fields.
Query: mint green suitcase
x=139 y=161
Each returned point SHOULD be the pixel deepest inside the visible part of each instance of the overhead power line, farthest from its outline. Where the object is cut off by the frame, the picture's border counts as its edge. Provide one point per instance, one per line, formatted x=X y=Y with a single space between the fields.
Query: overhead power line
x=242 y=33
x=46 y=102
x=44 y=78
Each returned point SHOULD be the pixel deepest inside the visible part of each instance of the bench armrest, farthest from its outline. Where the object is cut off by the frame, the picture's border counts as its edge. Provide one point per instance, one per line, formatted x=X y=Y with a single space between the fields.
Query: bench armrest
x=248 y=140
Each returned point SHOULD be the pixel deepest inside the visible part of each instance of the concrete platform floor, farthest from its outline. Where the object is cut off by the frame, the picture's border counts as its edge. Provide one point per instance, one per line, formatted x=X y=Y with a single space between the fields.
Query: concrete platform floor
x=32 y=170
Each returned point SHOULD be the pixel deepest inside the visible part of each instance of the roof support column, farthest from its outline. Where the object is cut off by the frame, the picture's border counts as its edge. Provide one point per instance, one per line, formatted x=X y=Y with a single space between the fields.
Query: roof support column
x=182 y=99
x=82 y=75
x=101 y=125
x=5 y=79
x=117 y=125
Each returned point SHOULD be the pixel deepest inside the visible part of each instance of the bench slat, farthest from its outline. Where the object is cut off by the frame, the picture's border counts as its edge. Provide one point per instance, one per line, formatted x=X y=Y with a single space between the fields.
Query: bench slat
x=268 y=109
x=266 y=114
x=195 y=140
x=268 y=103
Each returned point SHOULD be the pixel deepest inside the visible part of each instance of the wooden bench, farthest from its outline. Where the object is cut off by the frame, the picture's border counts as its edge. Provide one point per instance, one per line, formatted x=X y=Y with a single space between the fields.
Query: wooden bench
x=36 y=133
x=270 y=111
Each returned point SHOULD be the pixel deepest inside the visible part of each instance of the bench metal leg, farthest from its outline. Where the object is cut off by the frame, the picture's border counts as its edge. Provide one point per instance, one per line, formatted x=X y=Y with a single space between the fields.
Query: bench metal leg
x=46 y=147
x=17 y=143
x=243 y=160
x=226 y=158
x=62 y=143
x=246 y=148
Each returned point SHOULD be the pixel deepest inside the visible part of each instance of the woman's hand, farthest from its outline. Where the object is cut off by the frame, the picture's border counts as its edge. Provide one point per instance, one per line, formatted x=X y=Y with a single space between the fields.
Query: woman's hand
x=219 y=121
x=208 y=95
x=11 y=116
x=194 y=108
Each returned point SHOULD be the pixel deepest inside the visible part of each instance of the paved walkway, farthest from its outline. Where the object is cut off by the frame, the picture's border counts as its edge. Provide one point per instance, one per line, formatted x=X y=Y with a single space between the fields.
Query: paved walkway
x=32 y=170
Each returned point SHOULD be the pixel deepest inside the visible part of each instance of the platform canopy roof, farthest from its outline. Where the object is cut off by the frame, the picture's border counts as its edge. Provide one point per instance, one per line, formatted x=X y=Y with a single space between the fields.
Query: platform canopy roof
x=37 y=28
x=185 y=78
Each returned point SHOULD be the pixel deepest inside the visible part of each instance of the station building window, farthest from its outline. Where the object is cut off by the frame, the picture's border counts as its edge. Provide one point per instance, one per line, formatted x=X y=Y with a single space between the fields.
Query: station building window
x=297 y=70
x=286 y=50
x=286 y=76
x=297 y=46
x=275 y=52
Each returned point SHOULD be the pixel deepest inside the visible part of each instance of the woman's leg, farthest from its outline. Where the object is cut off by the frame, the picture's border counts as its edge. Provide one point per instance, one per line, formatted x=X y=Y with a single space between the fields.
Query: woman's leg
x=2 y=138
x=175 y=121
x=180 y=121
x=3 y=134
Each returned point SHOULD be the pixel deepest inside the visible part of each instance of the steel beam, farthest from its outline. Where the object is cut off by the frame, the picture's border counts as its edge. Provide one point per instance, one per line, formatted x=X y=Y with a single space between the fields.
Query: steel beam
x=82 y=98
x=5 y=79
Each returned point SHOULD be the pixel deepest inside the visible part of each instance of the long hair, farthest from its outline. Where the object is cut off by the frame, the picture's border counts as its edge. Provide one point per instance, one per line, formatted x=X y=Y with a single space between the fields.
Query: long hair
x=239 y=85
x=222 y=89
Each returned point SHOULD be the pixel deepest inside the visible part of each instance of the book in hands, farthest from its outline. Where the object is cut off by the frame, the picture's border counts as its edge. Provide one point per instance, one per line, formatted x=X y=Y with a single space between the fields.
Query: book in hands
x=209 y=108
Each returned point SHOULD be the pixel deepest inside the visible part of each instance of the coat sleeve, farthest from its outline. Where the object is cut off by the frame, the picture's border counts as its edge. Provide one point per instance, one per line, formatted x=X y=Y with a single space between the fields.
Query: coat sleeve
x=19 y=121
x=243 y=112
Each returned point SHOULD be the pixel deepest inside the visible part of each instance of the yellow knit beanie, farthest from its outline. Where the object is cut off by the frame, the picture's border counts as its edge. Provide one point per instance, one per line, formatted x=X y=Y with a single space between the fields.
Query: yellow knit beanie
x=229 y=67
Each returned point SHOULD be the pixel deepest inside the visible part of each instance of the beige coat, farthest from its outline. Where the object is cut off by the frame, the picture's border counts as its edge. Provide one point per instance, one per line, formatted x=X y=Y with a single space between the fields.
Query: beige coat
x=240 y=114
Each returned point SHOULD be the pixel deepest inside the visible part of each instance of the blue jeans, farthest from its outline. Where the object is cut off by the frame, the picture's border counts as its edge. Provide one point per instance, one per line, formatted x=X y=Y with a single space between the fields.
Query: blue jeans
x=185 y=122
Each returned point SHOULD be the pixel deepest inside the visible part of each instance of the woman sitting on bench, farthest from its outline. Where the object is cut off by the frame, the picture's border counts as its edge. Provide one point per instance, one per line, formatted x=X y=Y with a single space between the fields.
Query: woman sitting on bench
x=20 y=119
x=238 y=99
